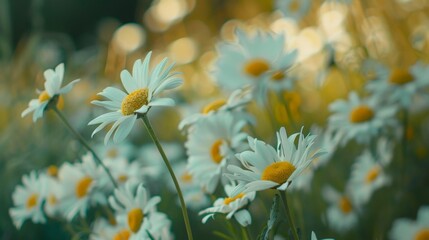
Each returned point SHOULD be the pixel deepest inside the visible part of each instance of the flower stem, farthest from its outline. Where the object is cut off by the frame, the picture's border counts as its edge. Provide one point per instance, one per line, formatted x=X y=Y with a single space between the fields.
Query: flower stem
x=85 y=144
x=289 y=215
x=173 y=176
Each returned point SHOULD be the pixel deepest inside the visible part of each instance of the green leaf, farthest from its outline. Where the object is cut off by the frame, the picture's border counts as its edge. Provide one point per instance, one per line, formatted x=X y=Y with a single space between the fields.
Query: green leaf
x=272 y=220
x=222 y=235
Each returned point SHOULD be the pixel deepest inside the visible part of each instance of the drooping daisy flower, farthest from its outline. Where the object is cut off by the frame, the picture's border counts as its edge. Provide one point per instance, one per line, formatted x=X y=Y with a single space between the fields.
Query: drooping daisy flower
x=402 y=84
x=28 y=199
x=295 y=9
x=142 y=89
x=254 y=60
x=408 y=229
x=266 y=168
x=236 y=101
x=133 y=208
x=232 y=206
x=368 y=172
x=341 y=213
x=82 y=184
x=360 y=119
x=52 y=92
x=211 y=146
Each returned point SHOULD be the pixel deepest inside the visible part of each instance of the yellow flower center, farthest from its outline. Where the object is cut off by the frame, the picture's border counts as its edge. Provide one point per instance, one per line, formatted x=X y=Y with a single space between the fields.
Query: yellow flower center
x=278 y=172
x=215 y=151
x=52 y=171
x=186 y=177
x=112 y=153
x=134 y=101
x=135 y=219
x=294 y=6
x=44 y=96
x=256 y=67
x=213 y=106
x=422 y=234
x=361 y=114
x=32 y=201
x=400 y=76
x=52 y=200
x=372 y=175
x=122 y=178
x=230 y=200
x=345 y=205
x=82 y=187
x=277 y=76
x=122 y=235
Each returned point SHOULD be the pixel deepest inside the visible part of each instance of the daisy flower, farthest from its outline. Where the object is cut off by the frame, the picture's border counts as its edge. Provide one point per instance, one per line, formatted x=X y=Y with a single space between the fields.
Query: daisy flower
x=159 y=227
x=402 y=84
x=256 y=60
x=142 y=89
x=232 y=206
x=133 y=209
x=54 y=192
x=113 y=151
x=408 y=229
x=52 y=92
x=266 y=168
x=103 y=229
x=368 y=172
x=211 y=146
x=341 y=212
x=28 y=199
x=123 y=171
x=374 y=70
x=234 y=103
x=295 y=9
x=82 y=184
x=360 y=119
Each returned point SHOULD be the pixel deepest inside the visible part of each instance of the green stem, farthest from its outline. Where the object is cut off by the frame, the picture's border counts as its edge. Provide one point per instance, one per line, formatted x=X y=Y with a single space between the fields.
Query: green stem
x=85 y=144
x=289 y=215
x=246 y=232
x=173 y=176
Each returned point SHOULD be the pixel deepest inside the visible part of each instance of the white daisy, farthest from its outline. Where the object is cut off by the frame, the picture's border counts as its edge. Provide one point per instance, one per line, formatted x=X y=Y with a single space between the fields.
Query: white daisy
x=236 y=101
x=142 y=89
x=112 y=151
x=374 y=70
x=256 y=60
x=408 y=229
x=211 y=146
x=266 y=168
x=81 y=184
x=295 y=9
x=401 y=84
x=52 y=92
x=28 y=199
x=360 y=119
x=159 y=227
x=341 y=213
x=124 y=171
x=368 y=173
x=103 y=229
x=133 y=208
x=232 y=206
x=54 y=192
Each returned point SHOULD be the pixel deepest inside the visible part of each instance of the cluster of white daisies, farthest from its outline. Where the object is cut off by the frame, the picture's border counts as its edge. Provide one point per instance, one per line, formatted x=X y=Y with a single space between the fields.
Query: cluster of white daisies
x=222 y=157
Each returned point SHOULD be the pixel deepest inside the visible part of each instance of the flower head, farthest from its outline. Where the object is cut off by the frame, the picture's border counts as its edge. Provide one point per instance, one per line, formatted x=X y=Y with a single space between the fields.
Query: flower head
x=408 y=229
x=142 y=90
x=341 y=213
x=52 y=92
x=295 y=9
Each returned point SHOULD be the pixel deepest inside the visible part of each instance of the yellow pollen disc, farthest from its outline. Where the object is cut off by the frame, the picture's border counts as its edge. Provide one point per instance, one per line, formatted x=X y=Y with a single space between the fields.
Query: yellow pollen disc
x=345 y=205
x=230 y=200
x=134 y=101
x=361 y=114
x=400 y=76
x=122 y=178
x=277 y=76
x=213 y=106
x=52 y=200
x=256 y=67
x=32 y=201
x=82 y=187
x=186 y=177
x=372 y=174
x=112 y=153
x=135 y=219
x=122 y=235
x=44 y=96
x=422 y=234
x=278 y=172
x=215 y=152
x=294 y=5
x=52 y=171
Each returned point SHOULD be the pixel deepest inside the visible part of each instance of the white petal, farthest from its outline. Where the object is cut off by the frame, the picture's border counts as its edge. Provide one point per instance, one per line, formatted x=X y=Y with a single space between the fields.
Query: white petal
x=127 y=80
x=124 y=129
x=243 y=217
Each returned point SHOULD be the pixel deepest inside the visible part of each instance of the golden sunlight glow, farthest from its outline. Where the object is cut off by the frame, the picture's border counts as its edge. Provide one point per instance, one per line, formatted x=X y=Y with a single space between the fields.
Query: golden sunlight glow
x=183 y=50
x=129 y=37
